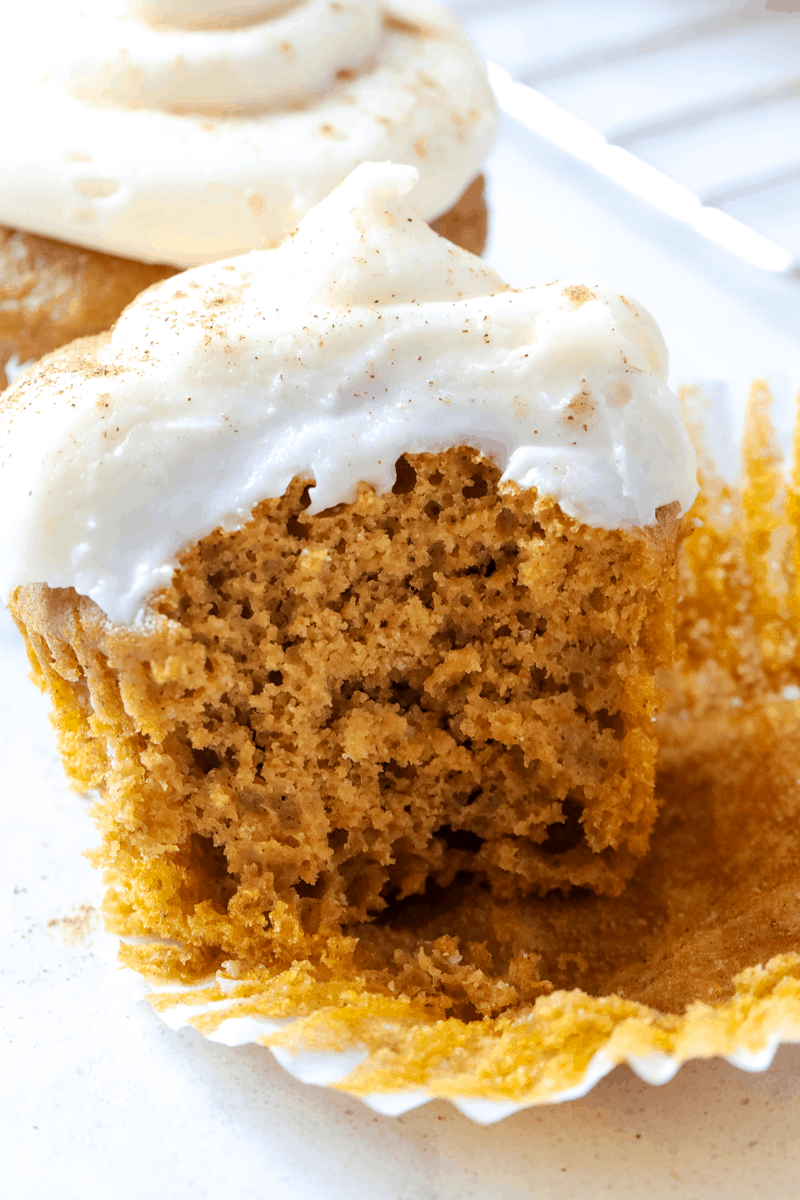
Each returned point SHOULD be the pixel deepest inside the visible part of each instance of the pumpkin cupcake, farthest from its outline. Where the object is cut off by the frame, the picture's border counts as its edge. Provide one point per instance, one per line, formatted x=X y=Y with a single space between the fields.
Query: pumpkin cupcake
x=349 y=571
x=161 y=134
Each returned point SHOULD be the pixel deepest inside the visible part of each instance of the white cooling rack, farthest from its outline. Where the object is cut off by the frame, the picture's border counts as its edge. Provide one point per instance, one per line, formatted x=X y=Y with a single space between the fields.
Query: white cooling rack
x=692 y=104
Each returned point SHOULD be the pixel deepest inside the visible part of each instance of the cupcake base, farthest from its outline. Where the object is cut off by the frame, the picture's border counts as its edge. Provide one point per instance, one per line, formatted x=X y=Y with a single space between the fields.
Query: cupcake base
x=699 y=957
x=466 y=224
x=52 y=292
x=396 y=715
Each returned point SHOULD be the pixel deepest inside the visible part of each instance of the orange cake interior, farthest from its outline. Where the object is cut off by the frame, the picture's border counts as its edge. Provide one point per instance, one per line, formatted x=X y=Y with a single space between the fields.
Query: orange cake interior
x=699 y=955
x=354 y=717
x=477 y=983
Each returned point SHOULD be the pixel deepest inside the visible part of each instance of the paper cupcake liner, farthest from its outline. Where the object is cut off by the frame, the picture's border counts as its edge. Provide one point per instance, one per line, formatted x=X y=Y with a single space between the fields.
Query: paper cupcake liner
x=746 y=1031
x=326 y=1027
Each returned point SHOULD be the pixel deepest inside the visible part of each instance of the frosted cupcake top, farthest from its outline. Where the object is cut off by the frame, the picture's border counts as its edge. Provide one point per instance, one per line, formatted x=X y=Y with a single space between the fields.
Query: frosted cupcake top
x=362 y=337
x=184 y=131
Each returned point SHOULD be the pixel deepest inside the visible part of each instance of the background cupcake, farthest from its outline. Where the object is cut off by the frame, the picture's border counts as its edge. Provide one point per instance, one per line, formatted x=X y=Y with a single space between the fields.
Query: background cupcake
x=160 y=134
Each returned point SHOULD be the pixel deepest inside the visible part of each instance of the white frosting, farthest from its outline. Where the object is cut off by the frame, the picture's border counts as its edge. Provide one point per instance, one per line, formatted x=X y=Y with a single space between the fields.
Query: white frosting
x=363 y=336
x=181 y=132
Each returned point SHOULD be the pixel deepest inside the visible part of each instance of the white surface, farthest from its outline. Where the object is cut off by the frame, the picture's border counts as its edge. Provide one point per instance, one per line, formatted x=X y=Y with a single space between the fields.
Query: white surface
x=674 y=81
x=542 y=116
x=100 y=1101
x=533 y=37
x=363 y=337
x=770 y=136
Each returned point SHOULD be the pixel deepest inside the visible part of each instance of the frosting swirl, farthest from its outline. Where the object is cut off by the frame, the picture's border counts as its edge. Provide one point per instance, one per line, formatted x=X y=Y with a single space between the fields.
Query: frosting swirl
x=181 y=132
x=362 y=337
x=274 y=56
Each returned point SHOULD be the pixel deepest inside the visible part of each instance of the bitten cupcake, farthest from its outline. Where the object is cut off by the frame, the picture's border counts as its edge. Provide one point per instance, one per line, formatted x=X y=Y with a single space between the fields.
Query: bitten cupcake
x=160 y=134
x=425 y=757
x=349 y=571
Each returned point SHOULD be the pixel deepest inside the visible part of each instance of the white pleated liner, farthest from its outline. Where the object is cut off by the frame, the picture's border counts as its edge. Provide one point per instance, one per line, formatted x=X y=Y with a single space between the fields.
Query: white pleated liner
x=326 y=1067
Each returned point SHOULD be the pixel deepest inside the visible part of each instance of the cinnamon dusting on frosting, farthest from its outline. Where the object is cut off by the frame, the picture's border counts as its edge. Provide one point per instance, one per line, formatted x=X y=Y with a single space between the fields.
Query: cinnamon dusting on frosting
x=327 y=358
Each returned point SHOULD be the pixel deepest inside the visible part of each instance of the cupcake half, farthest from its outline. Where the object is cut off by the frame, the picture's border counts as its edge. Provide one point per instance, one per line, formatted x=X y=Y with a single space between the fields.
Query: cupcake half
x=351 y=573
x=171 y=134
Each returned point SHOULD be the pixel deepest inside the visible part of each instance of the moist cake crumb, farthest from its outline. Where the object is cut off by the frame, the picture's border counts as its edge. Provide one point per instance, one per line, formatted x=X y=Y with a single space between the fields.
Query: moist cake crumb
x=326 y=718
x=697 y=957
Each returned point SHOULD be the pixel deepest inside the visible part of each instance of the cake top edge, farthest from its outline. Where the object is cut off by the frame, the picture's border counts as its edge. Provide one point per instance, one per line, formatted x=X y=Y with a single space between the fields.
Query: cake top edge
x=362 y=336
